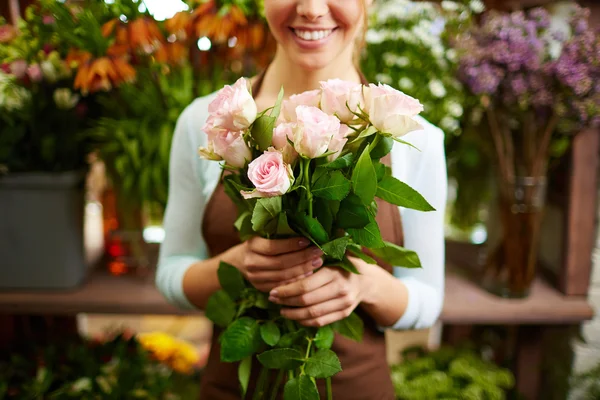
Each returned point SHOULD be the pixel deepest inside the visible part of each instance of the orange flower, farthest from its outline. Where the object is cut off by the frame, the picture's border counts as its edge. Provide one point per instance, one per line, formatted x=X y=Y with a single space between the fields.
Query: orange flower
x=178 y=25
x=171 y=53
x=7 y=33
x=76 y=57
x=109 y=27
x=145 y=35
x=102 y=74
x=208 y=22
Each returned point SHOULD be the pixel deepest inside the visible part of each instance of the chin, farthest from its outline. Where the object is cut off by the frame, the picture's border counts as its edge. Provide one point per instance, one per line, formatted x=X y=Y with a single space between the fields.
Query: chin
x=312 y=62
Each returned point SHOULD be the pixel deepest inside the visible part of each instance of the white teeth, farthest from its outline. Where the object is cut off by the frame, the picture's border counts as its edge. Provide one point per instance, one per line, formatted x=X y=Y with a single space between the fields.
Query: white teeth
x=313 y=35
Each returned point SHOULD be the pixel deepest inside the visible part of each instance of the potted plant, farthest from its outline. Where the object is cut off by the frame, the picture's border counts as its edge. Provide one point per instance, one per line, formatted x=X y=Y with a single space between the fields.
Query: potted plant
x=43 y=152
x=538 y=87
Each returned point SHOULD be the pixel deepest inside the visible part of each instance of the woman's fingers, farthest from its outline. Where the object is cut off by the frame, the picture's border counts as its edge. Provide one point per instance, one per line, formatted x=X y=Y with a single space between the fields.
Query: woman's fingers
x=284 y=274
x=322 y=313
x=258 y=262
x=320 y=295
x=315 y=281
x=273 y=247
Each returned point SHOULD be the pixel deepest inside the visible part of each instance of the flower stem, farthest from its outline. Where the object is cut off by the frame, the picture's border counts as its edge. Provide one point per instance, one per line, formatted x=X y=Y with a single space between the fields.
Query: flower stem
x=277 y=384
x=307 y=179
x=260 y=386
x=329 y=390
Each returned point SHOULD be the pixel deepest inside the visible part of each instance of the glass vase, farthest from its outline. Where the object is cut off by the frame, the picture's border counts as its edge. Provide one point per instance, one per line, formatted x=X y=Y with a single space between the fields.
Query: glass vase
x=511 y=266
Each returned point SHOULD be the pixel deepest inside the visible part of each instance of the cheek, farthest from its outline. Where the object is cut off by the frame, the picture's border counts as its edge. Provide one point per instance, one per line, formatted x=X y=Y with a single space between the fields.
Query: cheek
x=349 y=14
x=277 y=13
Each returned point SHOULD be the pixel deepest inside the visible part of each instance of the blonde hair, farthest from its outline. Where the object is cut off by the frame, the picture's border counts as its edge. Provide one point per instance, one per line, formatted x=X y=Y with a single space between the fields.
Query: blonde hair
x=361 y=39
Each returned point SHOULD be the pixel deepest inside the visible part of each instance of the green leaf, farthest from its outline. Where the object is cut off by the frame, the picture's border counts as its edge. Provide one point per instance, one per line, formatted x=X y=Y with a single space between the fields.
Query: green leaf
x=277 y=108
x=281 y=359
x=323 y=364
x=244 y=371
x=220 y=308
x=269 y=331
x=364 y=178
x=300 y=388
x=266 y=214
x=314 y=229
x=347 y=265
x=291 y=339
x=231 y=280
x=232 y=191
x=398 y=256
x=399 y=193
x=352 y=213
x=262 y=131
x=336 y=248
x=382 y=170
x=382 y=148
x=324 y=337
x=240 y=340
x=351 y=327
x=331 y=186
x=371 y=130
x=283 y=227
x=244 y=226
x=357 y=251
x=369 y=236
x=404 y=142
x=323 y=213
x=261 y=300
x=339 y=163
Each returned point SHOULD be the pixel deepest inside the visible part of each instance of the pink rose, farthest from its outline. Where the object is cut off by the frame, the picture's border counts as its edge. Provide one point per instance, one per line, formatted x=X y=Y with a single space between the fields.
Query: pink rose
x=18 y=68
x=314 y=131
x=208 y=152
x=288 y=107
x=392 y=111
x=231 y=147
x=341 y=98
x=270 y=175
x=234 y=109
x=338 y=141
x=34 y=72
x=281 y=134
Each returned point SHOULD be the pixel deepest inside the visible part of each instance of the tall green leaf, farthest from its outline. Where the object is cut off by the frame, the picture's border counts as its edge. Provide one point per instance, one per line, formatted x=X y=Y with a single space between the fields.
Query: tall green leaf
x=262 y=131
x=369 y=236
x=339 y=163
x=231 y=280
x=398 y=256
x=331 y=186
x=399 y=193
x=364 y=178
x=351 y=327
x=324 y=337
x=300 y=388
x=244 y=371
x=382 y=148
x=281 y=359
x=240 y=340
x=314 y=229
x=352 y=213
x=220 y=308
x=336 y=248
x=269 y=331
x=266 y=214
x=323 y=364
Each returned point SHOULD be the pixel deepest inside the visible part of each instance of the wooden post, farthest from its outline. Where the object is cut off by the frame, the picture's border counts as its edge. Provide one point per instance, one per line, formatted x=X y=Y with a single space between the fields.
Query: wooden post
x=15 y=11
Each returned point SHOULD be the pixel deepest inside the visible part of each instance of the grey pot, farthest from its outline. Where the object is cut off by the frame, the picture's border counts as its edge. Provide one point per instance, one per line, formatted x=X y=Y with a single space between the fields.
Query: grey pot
x=41 y=231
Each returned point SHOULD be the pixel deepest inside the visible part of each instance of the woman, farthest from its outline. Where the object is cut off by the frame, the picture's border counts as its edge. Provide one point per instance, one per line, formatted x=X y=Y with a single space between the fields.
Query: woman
x=316 y=42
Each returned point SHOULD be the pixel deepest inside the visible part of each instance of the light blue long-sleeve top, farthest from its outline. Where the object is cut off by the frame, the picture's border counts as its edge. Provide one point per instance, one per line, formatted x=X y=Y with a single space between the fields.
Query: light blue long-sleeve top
x=193 y=180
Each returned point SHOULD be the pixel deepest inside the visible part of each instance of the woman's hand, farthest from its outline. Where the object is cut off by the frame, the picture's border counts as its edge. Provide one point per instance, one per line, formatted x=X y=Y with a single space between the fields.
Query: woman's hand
x=267 y=263
x=327 y=296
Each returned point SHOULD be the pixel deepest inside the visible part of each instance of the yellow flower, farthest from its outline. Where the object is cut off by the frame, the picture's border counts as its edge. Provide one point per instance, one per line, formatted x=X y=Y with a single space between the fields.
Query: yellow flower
x=177 y=354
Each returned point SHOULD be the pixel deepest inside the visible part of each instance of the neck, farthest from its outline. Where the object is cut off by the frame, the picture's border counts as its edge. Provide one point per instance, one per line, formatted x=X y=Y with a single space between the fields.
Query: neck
x=296 y=79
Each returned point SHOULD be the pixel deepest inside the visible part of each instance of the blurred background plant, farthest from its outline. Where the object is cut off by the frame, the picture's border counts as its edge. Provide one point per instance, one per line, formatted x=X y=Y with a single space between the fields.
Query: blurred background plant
x=409 y=47
x=119 y=366
x=42 y=118
x=449 y=373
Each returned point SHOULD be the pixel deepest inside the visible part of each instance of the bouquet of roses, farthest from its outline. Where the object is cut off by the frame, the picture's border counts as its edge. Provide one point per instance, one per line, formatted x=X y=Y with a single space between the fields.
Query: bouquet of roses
x=308 y=166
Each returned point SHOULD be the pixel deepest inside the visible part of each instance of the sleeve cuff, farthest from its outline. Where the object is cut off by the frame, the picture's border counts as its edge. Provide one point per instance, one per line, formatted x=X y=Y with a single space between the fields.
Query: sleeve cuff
x=171 y=284
x=413 y=307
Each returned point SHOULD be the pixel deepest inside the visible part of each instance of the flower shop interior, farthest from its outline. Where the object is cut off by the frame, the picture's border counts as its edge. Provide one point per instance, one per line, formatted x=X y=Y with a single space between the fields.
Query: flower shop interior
x=91 y=90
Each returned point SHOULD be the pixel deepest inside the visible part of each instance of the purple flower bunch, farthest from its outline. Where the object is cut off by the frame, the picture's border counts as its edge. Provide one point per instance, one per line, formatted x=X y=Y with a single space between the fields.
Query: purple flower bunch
x=520 y=64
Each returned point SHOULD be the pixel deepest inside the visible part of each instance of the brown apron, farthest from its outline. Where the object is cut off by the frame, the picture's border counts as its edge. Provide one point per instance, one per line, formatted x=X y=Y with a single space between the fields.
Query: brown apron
x=365 y=373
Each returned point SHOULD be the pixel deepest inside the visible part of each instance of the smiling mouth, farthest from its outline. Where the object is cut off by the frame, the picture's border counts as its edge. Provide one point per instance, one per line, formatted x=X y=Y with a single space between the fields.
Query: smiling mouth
x=312 y=35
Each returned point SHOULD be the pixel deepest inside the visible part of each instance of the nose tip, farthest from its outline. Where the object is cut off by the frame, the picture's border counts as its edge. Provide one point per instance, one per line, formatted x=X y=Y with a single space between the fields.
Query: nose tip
x=312 y=10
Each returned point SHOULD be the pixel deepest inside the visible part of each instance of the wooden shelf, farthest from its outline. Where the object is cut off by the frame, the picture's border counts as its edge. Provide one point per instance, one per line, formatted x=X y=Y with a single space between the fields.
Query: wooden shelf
x=465 y=302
